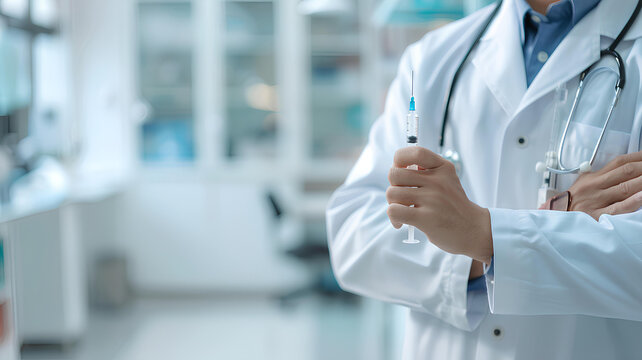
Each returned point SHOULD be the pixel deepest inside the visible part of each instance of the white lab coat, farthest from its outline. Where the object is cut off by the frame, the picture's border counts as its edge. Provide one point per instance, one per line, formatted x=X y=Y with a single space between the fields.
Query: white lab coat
x=565 y=286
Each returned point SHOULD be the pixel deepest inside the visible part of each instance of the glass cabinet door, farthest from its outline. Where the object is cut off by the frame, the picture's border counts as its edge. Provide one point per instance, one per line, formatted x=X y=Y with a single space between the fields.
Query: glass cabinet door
x=165 y=52
x=337 y=109
x=251 y=108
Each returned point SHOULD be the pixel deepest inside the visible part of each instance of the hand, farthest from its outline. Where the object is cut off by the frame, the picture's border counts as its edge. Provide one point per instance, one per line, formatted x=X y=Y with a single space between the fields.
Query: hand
x=614 y=189
x=441 y=208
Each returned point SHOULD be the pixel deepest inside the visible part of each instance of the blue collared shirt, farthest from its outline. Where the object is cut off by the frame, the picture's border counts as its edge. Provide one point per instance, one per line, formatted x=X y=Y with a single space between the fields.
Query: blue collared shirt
x=541 y=34
x=478 y=284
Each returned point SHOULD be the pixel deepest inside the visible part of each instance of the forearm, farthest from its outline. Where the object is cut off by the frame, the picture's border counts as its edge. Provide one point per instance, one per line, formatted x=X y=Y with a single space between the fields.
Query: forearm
x=548 y=262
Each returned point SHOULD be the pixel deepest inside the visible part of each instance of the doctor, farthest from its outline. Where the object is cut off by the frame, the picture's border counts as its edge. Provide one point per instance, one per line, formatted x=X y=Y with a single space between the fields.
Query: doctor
x=561 y=284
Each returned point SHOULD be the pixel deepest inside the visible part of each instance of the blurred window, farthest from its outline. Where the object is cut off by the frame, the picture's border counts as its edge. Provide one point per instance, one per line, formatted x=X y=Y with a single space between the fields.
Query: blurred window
x=336 y=102
x=252 y=109
x=165 y=56
x=19 y=35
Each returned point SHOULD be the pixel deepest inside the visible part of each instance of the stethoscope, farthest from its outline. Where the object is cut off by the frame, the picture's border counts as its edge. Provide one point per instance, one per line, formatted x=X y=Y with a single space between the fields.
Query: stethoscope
x=556 y=167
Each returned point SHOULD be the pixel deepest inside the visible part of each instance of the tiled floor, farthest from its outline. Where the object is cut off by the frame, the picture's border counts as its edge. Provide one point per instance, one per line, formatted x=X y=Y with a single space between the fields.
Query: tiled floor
x=257 y=329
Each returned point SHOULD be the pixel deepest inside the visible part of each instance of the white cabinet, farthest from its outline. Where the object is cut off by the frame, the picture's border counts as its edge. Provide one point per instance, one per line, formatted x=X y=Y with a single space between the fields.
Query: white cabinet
x=8 y=328
x=50 y=282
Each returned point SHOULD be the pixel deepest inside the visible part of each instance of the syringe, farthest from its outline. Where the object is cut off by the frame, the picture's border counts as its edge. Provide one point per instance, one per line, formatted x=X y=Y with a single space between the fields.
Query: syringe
x=412 y=123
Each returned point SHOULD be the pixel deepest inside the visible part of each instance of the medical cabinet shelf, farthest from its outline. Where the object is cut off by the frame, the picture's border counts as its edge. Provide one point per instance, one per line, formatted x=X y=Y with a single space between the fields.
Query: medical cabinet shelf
x=263 y=83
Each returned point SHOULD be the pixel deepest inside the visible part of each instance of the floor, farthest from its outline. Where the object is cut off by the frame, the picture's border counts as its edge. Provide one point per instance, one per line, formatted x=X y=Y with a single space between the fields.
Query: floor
x=313 y=328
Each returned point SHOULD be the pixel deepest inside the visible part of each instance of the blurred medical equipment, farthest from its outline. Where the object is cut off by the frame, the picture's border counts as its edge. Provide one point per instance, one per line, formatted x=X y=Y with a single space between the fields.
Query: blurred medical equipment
x=326 y=7
x=110 y=286
x=557 y=166
x=308 y=246
x=412 y=123
x=416 y=11
x=47 y=185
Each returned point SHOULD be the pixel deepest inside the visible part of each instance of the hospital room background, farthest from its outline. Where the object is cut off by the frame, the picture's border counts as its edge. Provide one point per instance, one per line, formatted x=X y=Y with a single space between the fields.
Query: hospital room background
x=164 y=171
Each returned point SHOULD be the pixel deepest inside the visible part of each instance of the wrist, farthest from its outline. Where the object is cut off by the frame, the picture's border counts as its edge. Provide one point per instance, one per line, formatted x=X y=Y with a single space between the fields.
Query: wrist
x=483 y=246
x=476 y=270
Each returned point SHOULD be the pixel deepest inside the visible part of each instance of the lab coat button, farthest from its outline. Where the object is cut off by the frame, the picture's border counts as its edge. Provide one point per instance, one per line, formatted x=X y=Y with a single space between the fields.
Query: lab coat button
x=542 y=56
x=521 y=141
x=498 y=333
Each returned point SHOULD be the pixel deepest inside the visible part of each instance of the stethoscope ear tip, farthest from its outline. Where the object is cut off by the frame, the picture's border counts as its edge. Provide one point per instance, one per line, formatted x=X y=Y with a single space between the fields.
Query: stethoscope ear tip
x=540 y=167
x=585 y=167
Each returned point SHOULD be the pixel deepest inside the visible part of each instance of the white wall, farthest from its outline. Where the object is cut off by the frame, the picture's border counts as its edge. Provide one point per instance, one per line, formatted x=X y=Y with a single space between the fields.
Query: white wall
x=198 y=237
x=193 y=237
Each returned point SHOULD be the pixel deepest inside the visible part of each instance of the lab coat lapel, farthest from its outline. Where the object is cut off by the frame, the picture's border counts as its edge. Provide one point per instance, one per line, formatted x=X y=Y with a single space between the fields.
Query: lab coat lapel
x=499 y=59
x=578 y=50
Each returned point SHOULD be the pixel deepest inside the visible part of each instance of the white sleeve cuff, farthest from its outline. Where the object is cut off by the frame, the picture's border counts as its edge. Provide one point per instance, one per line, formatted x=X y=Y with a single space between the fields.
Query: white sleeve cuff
x=489 y=275
x=505 y=228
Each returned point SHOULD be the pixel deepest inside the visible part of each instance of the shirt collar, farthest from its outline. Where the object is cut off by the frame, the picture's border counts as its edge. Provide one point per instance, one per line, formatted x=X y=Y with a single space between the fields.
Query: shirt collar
x=556 y=11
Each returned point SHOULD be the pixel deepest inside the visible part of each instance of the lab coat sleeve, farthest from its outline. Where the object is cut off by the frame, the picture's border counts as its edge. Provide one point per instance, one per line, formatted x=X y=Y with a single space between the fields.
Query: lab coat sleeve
x=549 y=262
x=367 y=253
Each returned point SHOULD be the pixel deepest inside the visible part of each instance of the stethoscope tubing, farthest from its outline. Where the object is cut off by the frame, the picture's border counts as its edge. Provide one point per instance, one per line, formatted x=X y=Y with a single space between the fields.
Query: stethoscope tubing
x=451 y=90
x=619 y=85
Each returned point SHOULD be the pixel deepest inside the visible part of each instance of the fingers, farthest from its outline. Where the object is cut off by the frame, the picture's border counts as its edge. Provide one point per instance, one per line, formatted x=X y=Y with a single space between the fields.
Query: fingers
x=406 y=177
x=626 y=206
x=402 y=195
x=400 y=214
x=623 y=190
x=621 y=160
x=625 y=172
x=415 y=155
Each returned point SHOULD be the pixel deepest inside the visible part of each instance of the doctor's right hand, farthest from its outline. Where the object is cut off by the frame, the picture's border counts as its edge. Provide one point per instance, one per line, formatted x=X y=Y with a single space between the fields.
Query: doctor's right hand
x=614 y=189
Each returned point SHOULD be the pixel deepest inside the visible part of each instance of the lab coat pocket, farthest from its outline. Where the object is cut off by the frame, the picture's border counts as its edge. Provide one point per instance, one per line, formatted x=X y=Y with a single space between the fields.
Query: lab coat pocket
x=581 y=141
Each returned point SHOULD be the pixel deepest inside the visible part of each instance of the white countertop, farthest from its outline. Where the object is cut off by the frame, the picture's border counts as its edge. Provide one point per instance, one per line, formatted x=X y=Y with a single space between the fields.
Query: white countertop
x=83 y=189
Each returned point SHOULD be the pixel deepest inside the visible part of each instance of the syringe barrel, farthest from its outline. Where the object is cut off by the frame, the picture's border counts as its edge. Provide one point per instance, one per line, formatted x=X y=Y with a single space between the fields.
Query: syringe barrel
x=412 y=131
